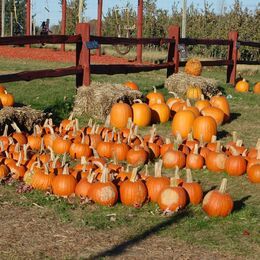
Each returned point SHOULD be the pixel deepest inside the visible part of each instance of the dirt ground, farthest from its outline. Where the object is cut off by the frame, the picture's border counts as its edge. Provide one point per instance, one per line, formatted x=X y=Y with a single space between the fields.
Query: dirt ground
x=34 y=233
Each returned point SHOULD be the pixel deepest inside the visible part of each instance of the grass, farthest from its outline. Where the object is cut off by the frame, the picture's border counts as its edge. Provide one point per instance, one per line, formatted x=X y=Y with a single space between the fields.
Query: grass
x=192 y=226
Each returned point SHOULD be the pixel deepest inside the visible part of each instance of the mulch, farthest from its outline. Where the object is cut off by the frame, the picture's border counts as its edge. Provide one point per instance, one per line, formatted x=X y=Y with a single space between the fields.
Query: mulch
x=53 y=55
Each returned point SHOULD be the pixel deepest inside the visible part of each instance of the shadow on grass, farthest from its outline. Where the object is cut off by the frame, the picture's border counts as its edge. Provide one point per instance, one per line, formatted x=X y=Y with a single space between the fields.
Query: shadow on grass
x=240 y=204
x=234 y=116
x=60 y=109
x=210 y=189
x=222 y=134
x=119 y=249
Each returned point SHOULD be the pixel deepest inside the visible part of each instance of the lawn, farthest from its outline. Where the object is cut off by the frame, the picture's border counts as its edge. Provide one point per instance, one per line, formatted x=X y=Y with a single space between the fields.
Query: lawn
x=235 y=235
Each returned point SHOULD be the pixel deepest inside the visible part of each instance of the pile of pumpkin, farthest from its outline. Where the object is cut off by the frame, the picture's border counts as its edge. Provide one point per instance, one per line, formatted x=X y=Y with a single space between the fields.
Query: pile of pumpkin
x=243 y=86
x=202 y=119
x=6 y=99
x=97 y=158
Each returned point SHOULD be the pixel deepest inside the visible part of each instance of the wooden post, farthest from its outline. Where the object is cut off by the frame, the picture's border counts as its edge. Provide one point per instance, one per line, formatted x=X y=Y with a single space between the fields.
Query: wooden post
x=83 y=55
x=173 y=50
x=28 y=19
x=232 y=56
x=139 y=30
x=63 y=21
x=99 y=24
x=11 y=24
x=2 y=18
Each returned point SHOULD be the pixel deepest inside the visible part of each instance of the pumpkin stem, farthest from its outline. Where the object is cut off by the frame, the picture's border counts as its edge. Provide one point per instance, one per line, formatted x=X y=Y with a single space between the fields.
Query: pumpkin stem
x=5 y=130
x=83 y=137
x=134 y=177
x=119 y=138
x=239 y=143
x=16 y=128
x=258 y=144
x=188 y=176
x=93 y=129
x=2 y=146
x=196 y=149
x=38 y=130
x=52 y=153
x=91 y=176
x=127 y=168
x=137 y=100
x=152 y=134
x=46 y=169
x=25 y=147
x=83 y=160
x=136 y=130
x=258 y=154
x=173 y=182
x=213 y=139
x=17 y=148
x=54 y=162
x=179 y=139
x=173 y=93
x=90 y=122
x=244 y=153
x=146 y=172
x=71 y=116
x=176 y=173
x=19 y=160
x=234 y=136
x=51 y=129
x=223 y=186
x=202 y=97
x=104 y=175
x=218 y=147
x=234 y=151
x=63 y=160
x=188 y=103
x=167 y=141
x=106 y=137
x=95 y=153
x=158 y=169
x=99 y=165
x=190 y=137
x=42 y=146
x=76 y=124
x=107 y=122
x=129 y=122
x=66 y=169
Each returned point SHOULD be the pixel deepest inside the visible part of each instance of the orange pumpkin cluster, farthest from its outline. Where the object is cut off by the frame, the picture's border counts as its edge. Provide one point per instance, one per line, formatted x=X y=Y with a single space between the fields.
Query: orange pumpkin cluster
x=6 y=99
x=243 y=86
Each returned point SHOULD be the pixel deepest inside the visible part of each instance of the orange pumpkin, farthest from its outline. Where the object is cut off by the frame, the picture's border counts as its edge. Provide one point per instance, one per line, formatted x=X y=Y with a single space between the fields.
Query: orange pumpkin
x=2 y=89
x=131 y=85
x=83 y=187
x=120 y=114
x=7 y=99
x=61 y=145
x=218 y=203
x=142 y=114
x=194 y=160
x=253 y=173
x=172 y=198
x=173 y=158
x=202 y=103
x=221 y=103
x=41 y=180
x=203 y=128
x=256 y=89
x=216 y=113
x=193 y=67
x=160 y=112
x=242 y=86
x=182 y=123
x=155 y=97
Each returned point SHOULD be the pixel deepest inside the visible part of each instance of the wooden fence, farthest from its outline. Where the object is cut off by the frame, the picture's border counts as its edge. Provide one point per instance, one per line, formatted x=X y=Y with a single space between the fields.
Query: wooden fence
x=83 y=69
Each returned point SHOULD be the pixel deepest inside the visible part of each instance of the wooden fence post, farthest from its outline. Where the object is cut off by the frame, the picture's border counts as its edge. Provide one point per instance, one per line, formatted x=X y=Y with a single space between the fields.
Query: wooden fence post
x=173 y=49
x=63 y=21
x=232 y=56
x=139 y=47
x=83 y=55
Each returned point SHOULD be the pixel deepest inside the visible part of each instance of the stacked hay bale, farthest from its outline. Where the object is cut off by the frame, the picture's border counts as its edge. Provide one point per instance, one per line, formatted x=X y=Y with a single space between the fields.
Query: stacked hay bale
x=97 y=99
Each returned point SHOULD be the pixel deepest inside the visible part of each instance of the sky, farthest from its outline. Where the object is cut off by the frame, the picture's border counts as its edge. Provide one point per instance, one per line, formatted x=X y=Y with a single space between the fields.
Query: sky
x=39 y=7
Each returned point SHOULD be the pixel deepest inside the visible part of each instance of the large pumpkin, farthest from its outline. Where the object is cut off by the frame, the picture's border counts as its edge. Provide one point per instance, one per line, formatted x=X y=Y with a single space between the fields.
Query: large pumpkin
x=155 y=97
x=142 y=114
x=120 y=114
x=216 y=113
x=193 y=67
x=203 y=128
x=160 y=112
x=221 y=103
x=182 y=123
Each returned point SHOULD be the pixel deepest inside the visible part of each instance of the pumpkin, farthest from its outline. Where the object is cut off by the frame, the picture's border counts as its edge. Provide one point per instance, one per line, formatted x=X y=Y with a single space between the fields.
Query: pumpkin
x=172 y=198
x=256 y=88
x=7 y=99
x=242 y=86
x=133 y=192
x=216 y=160
x=154 y=148
x=137 y=156
x=64 y=184
x=142 y=114
x=2 y=89
x=193 y=92
x=216 y=113
x=193 y=189
x=16 y=168
x=35 y=140
x=173 y=158
x=193 y=67
x=61 y=145
x=78 y=150
x=160 y=112
x=104 y=192
x=235 y=164
x=120 y=114
x=170 y=101
x=253 y=173
x=254 y=161
x=104 y=148
x=83 y=186
x=157 y=182
x=131 y=85
x=203 y=128
x=49 y=137
x=190 y=142
x=252 y=153
x=202 y=103
x=165 y=147
x=182 y=123
x=218 y=203
x=191 y=108
x=4 y=139
x=221 y=103
x=155 y=97
x=4 y=171
x=194 y=160
x=18 y=135
x=120 y=150
x=42 y=179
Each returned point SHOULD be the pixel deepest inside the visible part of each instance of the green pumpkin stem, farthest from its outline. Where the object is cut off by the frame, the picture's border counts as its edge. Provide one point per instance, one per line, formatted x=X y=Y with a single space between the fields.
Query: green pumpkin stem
x=189 y=176
x=134 y=176
x=176 y=173
x=66 y=169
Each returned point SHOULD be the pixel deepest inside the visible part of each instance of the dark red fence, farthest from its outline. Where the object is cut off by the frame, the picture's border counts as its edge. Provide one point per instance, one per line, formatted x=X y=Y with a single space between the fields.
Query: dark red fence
x=83 y=69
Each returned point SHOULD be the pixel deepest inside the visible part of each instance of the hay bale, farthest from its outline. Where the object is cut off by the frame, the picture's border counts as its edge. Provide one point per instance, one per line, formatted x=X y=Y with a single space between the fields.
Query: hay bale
x=96 y=100
x=25 y=117
x=179 y=82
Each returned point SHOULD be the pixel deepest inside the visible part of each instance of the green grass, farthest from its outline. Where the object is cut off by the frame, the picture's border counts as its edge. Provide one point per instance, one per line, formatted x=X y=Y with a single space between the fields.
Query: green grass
x=193 y=226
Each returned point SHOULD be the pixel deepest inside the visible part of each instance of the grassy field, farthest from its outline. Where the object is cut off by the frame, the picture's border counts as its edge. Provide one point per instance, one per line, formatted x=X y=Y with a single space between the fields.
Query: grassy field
x=236 y=235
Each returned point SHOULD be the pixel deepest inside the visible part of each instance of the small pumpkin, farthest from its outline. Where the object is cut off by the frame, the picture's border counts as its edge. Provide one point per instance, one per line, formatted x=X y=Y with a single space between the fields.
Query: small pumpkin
x=7 y=99
x=173 y=158
x=155 y=97
x=61 y=145
x=256 y=88
x=218 y=203
x=194 y=160
x=221 y=102
x=142 y=114
x=253 y=173
x=202 y=103
x=131 y=85
x=242 y=86
x=133 y=192
x=193 y=189
x=193 y=67
x=172 y=198
x=160 y=112
x=193 y=92
x=83 y=186
x=42 y=179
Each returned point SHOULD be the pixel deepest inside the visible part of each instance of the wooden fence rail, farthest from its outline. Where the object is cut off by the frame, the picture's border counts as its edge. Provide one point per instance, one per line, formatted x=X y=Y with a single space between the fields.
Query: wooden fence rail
x=83 y=69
